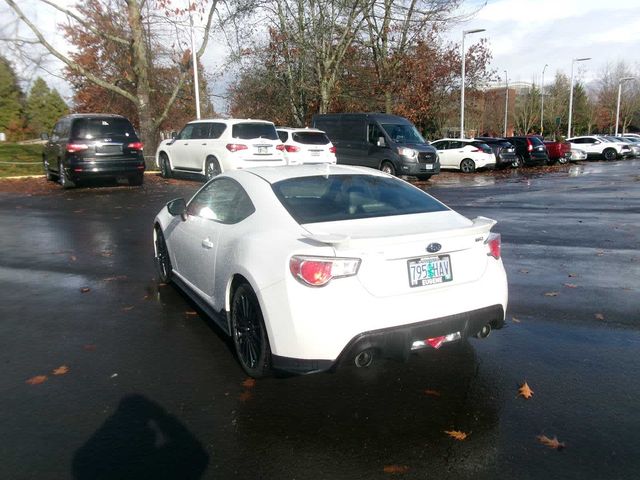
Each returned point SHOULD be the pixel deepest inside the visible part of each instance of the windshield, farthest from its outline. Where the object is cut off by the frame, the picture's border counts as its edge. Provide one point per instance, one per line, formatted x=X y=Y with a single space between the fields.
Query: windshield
x=90 y=128
x=349 y=197
x=403 y=133
x=249 y=131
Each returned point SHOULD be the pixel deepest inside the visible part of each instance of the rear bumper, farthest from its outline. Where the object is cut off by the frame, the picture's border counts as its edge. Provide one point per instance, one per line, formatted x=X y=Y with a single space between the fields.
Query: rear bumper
x=505 y=160
x=104 y=168
x=396 y=342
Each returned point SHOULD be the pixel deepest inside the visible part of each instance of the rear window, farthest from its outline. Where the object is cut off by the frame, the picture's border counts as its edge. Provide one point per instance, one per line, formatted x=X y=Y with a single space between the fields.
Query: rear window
x=310 y=138
x=90 y=128
x=249 y=131
x=348 y=197
x=536 y=141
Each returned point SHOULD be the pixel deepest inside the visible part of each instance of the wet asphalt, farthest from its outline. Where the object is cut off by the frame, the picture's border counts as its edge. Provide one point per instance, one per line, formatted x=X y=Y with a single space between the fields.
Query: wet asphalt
x=151 y=388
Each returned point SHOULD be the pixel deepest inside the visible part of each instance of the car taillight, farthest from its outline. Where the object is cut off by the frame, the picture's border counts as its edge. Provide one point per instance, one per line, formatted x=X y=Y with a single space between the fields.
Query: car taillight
x=332 y=149
x=494 y=241
x=529 y=146
x=136 y=146
x=319 y=271
x=280 y=147
x=235 y=147
x=291 y=148
x=76 y=147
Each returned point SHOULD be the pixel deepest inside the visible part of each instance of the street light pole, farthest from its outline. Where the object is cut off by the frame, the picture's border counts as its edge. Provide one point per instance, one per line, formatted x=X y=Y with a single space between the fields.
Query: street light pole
x=464 y=33
x=506 y=102
x=194 y=59
x=620 y=82
x=542 y=101
x=571 y=93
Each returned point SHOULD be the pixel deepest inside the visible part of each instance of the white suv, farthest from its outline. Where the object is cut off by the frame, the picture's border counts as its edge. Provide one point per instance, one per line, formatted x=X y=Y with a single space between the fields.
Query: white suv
x=467 y=155
x=597 y=146
x=210 y=147
x=306 y=145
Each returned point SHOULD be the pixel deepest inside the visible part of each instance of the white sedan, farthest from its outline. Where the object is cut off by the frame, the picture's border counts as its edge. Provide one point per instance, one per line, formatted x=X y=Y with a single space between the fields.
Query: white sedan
x=309 y=266
x=466 y=155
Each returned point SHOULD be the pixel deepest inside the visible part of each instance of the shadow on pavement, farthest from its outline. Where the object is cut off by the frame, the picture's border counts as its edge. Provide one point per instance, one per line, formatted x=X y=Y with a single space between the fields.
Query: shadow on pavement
x=140 y=440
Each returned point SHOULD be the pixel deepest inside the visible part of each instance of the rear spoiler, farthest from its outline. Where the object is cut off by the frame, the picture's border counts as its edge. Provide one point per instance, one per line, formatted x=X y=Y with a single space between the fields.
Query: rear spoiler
x=480 y=224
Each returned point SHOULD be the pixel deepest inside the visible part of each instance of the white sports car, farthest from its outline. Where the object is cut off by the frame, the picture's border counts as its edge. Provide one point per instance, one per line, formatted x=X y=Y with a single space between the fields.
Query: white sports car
x=308 y=266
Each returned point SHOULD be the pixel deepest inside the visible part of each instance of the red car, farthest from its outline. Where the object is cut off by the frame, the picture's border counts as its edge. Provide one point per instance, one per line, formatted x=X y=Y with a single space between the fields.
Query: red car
x=558 y=151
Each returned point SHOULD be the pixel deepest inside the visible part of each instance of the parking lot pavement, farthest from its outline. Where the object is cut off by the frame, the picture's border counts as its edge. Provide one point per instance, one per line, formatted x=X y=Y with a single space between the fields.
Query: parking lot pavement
x=109 y=374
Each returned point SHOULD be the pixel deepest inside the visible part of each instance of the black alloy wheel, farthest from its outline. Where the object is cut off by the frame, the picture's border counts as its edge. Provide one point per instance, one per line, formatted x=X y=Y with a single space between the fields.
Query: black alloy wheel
x=63 y=179
x=165 y=167
x=162 y=259
x=212 y=168
x=249 y=334
x=387 y=167
x=467 y=166
x=609 y=154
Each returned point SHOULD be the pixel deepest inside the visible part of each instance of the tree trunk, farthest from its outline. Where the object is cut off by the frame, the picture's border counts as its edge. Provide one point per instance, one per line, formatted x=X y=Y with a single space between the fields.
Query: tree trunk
x=388 y=100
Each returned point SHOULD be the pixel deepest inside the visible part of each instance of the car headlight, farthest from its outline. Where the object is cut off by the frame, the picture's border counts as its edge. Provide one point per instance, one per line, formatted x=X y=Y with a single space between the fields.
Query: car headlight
x=408 y=153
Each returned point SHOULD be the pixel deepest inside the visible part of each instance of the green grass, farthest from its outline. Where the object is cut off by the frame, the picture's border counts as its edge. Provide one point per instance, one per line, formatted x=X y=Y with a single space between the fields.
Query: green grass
x=19 y=159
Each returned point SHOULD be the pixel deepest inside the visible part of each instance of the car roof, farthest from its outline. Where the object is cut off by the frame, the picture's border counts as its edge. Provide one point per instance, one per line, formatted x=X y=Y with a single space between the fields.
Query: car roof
x=231 y=121
x=94 y=115
x=299 y=129
x=277 y=174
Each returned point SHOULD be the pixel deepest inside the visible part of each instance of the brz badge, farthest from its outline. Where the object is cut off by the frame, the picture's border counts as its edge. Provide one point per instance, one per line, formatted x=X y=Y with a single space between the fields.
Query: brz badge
x=433 y=247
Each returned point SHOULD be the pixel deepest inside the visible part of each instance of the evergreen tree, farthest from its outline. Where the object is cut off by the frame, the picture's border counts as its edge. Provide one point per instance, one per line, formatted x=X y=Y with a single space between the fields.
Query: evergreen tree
x=11 y=102
x=43 y=107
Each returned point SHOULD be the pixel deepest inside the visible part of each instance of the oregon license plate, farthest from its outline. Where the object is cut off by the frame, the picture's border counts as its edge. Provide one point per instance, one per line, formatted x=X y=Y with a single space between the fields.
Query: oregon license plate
x=263 y=150
x=429 y=270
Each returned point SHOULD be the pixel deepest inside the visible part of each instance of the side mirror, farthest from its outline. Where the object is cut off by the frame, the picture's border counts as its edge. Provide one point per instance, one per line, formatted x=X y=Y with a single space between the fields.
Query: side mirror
x=44 y=136
x=178 y=207
x=381 y=142
x=597 y=142
x=174 y=135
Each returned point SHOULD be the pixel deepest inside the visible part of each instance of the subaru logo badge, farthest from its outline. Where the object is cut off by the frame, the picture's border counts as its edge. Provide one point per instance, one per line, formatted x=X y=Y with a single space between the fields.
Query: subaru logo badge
x=434 y=247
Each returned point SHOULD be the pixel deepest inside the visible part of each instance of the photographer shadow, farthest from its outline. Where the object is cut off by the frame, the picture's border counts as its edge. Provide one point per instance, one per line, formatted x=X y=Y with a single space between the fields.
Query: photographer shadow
x=140 y=440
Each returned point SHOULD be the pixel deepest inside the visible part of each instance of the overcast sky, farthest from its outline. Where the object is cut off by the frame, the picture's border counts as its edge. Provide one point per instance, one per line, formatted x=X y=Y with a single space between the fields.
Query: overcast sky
x=523 y=35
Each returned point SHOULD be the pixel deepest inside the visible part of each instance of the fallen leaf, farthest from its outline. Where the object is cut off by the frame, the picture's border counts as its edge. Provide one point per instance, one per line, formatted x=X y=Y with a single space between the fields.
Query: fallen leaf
x=514 y=319
x=599 y=316
x=249 y=383
x=572 y=275
x=393 y=469
x=126 y=309
x=38 y=379
x=432 y=393
x=61 y=370
x=457 y=434
x=570 y=285
x=525 y=391
x=523 y=270
x=190 y=312
x=73 y=258
x=551 y=294
x=550 y=442
x=106 y=253
x=85 y=289
x=90 y=347
x=246 y=395
x=112 y=279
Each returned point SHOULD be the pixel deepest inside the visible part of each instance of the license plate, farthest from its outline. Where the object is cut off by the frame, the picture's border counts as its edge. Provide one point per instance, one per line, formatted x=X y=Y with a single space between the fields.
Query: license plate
x=315 y=153
x=429 y=167
x=263 y=150
x=429 y=270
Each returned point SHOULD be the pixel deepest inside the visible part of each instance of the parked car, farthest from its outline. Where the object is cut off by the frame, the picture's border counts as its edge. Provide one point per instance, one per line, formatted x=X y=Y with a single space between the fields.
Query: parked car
x=306 y=266
x=558 y=151
x=504 y=151
x=92 y=145
x=530 y=150
x=377 y=140
x=306 y=145
x=634 y=147
x=466 y=155
x=631 y=135
x=210 y=147
x=577 y=155
x=596 y=146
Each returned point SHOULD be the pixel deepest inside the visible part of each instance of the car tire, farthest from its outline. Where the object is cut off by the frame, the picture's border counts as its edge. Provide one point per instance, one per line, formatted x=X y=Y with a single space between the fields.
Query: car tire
x=136 y=180
x=467 y=166
x=165 y=166
x=609 y=154
x=63 y=179
x=162 y=259
x=211 y=168
x=387 y=167
x=518 y=162
x=424 y=177
x=249 y=333
x=563 y=160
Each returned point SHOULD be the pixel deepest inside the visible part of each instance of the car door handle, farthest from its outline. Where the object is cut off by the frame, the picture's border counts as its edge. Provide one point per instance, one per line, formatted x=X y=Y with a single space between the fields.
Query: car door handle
x=203 y=143
x=206 y=243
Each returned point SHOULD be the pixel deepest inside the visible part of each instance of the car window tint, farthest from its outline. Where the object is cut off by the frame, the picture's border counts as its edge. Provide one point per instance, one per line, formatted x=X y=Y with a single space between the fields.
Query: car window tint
x=535 y=141
x=216 y=130
x=200 y=130
x=456 y=144
x=442 y=145
x=402 y=133
x=375 y=132
x=252 y=130
x=347 y=197
x=90 y=128
x=283 y=135
x=222 y=200
x=186 y=133
x=310 y=138
x=351 y=129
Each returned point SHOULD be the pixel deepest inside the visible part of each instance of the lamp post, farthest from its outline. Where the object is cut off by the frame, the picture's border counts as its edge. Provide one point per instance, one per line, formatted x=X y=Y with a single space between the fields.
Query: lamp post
x=465 y=33
x=194 y=59
x=620 y=82
x=542 y=101
x=506 y=102
x=571 y=92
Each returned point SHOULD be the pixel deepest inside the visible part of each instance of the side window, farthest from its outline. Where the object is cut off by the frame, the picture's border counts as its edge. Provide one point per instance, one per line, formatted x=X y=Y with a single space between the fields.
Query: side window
x=453 y=145
x=374 y=133
x=186 y=133
x=216 y=129
x=200 y=130
x=55 y=134
x=351 y=129
x=440 y=145
x=283 y=135
x=65 y=126
x=222 y=200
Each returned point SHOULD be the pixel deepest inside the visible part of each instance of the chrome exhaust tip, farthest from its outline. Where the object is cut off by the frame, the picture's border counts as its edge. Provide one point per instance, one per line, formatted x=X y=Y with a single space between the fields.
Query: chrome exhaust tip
x=484 y=331
x=364 y=359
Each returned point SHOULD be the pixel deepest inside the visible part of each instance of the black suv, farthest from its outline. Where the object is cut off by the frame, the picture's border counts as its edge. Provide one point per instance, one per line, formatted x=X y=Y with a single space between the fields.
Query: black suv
x=93 y=145
x=504 y=151
x=530 y=150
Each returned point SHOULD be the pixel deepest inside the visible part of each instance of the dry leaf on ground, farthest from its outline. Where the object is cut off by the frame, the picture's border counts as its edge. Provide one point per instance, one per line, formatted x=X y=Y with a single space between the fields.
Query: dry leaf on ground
x=246 y=395
x=516 y=320
x=85 y=289
x=599 y=316
x=550 y=442
x=249 y=383
x=190 y=312
x=38 y=379
x=432 y=393
x=457 y=434
x=570 y=285
x=90 y=347
x=396 y=469
x=551 y=294
x=523 y=270
x=61 y=370
x=525 y=391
